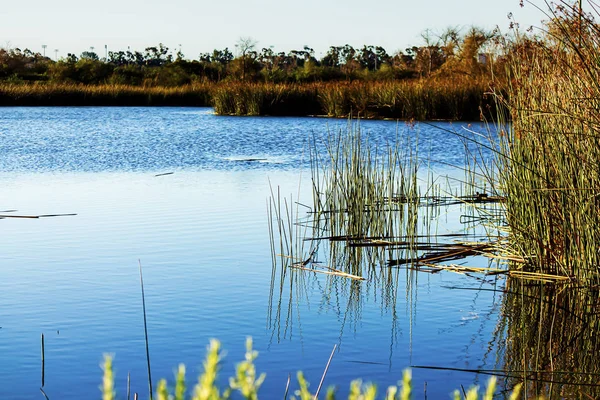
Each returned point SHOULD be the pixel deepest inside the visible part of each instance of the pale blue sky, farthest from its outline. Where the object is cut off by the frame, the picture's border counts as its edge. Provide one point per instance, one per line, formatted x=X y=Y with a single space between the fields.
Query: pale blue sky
x=201 y=26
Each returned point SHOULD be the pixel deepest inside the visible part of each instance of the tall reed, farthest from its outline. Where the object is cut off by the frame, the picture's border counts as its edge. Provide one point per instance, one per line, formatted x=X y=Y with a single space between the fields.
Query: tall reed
x=427 y=99
x=550 y=157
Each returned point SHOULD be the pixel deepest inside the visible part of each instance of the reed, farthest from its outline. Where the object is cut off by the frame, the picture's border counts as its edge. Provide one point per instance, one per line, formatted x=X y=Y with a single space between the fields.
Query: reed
x=427 y=99
x=236 y=98
x=362 y=192
x=371 y=218
x=550 y=156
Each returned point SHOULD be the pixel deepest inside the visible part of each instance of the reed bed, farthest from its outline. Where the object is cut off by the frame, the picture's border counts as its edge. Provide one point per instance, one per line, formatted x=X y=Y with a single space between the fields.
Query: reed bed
x=370 y=227
x=52 y=94
x=238 y=98
x=462 y=99
x=459 y=99
x=550 y=157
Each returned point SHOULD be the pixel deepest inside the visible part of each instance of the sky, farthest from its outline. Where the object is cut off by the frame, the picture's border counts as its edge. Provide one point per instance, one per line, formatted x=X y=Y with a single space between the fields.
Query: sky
x=199 y=26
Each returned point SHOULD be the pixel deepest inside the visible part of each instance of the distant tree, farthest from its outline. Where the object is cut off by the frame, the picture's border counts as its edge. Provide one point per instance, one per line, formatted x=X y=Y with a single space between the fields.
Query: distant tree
x=333 y=57
x=449 y=41
x=71 y=58
x=89 y=55
x=245 y=46
x=215 y=63
x=128 y=74
x=157 y=56
x=472 y=44
x=118 y=58
x=350 y=63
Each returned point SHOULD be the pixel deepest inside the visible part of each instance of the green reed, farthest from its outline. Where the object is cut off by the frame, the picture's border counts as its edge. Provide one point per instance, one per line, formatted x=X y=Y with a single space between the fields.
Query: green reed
x=362 y=192
x=372 y=215
x=550 y=156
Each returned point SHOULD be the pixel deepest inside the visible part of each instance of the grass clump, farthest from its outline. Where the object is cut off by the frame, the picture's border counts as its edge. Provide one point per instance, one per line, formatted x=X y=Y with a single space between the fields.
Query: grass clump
x=551 y=155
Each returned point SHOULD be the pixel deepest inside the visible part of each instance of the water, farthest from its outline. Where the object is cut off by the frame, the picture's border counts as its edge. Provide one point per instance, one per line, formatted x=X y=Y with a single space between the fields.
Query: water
x=201 y=235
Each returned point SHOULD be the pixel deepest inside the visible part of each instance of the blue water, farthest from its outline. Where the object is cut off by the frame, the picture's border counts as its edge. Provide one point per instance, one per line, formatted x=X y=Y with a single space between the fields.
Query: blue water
x=201 y=235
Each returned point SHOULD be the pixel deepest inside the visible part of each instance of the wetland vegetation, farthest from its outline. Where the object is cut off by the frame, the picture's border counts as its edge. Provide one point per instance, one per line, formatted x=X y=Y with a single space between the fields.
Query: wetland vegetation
x=536 y=201
x=529 y=212
x=444 y=78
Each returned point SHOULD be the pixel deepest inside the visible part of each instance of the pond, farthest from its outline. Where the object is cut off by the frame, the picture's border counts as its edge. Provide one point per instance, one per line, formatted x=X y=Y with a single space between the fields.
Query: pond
x=184 y=193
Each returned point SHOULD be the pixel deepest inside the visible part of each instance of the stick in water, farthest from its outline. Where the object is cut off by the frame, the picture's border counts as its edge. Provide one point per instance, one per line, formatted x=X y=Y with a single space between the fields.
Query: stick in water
x=43 y=361
x=44 y=393
x=325 y=372
x=145 y=330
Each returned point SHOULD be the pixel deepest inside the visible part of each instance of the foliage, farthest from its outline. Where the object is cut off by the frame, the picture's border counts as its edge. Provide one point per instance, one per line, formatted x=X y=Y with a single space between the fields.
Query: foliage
x=162 y=66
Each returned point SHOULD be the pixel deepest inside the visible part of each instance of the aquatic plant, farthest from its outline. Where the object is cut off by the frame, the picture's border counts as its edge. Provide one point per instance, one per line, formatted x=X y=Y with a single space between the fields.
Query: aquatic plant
x=550 y=156
x=435 y=98
x=427 y=99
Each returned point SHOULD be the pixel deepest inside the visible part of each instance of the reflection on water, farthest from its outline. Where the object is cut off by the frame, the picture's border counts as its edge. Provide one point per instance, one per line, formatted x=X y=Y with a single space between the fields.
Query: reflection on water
x=378 y=230
x=552 y=340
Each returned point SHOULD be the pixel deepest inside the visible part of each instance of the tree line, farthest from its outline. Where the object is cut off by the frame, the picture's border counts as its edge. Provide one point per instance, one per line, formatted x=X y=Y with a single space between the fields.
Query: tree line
x=451 y=52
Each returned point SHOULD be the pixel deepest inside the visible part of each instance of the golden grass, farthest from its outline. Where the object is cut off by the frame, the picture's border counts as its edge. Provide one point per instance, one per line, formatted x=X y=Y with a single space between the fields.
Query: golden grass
x=64 y=94
x=462 y=99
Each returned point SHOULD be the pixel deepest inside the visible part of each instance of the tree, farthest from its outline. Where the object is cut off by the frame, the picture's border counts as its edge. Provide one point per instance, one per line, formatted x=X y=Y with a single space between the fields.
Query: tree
x=473 y=41
x=332 y=58
x=245 y=46
x=89 y=55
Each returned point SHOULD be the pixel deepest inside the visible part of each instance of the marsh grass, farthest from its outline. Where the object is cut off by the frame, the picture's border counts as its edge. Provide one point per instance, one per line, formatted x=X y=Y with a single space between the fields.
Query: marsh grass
x=373 y=205
x=371 y=227
x=236 y=98
x=550 y=157
x=457 y=99
x=52 y=94
x=428 y=99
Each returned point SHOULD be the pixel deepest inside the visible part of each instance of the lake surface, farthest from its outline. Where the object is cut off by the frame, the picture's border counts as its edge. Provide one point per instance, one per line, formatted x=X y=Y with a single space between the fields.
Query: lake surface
x=202 y=237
